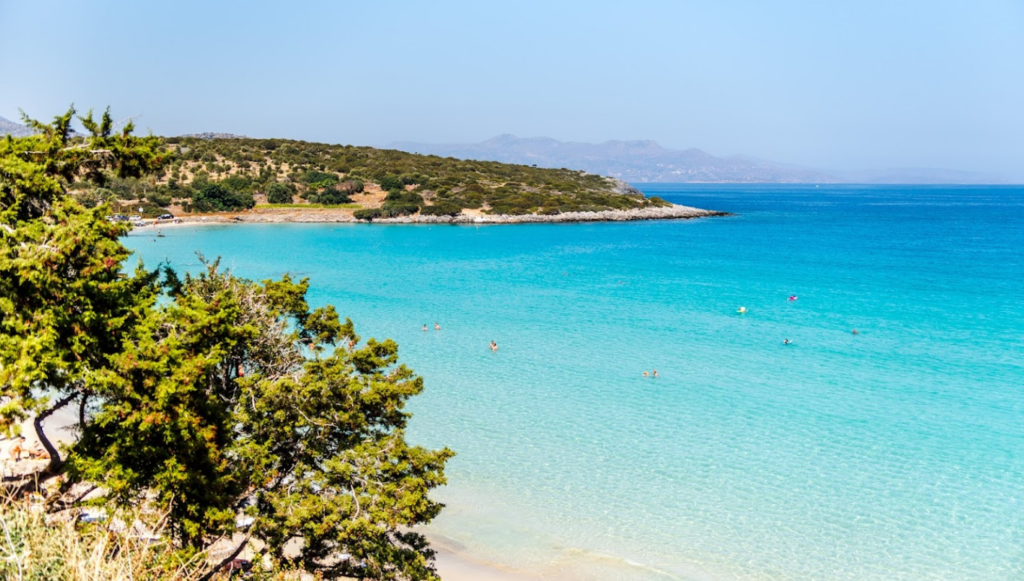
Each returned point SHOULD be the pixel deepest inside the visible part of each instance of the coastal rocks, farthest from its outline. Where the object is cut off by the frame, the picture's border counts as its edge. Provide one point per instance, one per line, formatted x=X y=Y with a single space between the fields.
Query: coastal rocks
x=674 y=212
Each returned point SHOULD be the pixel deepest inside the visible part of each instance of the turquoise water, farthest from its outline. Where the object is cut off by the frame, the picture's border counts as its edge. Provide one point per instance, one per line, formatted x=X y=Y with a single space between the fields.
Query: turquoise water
x=895 y=454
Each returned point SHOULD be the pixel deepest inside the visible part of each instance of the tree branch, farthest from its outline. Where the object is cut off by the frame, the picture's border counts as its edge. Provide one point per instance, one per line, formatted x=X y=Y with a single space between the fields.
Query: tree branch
x=234 y=554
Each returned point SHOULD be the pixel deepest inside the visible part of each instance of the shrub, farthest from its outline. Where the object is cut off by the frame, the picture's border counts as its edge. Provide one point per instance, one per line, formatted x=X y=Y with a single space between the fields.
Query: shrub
x=368 y=214
x=351 y=186
x=160 y=198
x=445 y=208
x=278 y=193
x=213 y=197
x=395 y=209
x=390 y=182
x=333 y=196
x=319 y=179
x=404 y=197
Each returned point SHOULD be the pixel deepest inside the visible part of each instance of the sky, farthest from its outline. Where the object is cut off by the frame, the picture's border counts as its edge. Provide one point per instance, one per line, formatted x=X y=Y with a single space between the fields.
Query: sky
x=837 y=85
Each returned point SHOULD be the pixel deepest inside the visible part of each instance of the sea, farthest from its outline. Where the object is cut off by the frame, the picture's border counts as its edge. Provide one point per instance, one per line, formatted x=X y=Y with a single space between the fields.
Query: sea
x=895 y=453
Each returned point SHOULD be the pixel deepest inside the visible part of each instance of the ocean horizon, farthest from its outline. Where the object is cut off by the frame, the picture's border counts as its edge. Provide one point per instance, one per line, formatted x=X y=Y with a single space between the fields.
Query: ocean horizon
x=896 y=453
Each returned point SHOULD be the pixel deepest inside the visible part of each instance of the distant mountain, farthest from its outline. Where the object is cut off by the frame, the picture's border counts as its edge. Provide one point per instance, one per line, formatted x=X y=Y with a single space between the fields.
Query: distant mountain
x=631 y=161
x=646 y=161
x=15 y=129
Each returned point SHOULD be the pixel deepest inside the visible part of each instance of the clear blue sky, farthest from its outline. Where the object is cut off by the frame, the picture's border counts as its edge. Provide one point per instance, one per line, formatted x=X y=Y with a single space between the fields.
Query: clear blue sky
x=843 y=85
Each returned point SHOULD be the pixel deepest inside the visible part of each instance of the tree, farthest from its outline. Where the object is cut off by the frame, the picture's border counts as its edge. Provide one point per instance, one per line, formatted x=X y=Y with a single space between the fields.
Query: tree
x=223 y=404
x=278 y=193
x=333 y=196
x=65 y=303
x=390 y=182
x=215 y=197
x=214 y=406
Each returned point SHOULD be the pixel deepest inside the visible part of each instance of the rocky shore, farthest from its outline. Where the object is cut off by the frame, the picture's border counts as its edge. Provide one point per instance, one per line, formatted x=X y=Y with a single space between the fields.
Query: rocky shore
x=667 y=213
x=266 y=216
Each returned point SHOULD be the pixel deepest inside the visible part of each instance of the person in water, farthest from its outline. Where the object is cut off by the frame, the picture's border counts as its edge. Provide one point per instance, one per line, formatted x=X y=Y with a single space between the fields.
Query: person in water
x=437 y=327
x=424 y=327
x=792 y=297
x=856 y=332
x=655 y=373
x=646 y=374
x=494 y=346
x=785 y=341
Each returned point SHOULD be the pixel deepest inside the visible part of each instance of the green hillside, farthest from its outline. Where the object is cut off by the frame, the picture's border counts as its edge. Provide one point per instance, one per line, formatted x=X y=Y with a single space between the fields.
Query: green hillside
x=231 y=174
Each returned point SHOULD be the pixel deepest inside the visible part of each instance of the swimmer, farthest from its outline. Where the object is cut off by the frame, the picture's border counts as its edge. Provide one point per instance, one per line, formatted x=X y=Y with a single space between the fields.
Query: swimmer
x=424 y=327
x=645 y=374
x=855 y=332
x=741 y=310
x=655 y=373
x=437 y=327
x=785 y=341
x=792 y=297
x=494 y=346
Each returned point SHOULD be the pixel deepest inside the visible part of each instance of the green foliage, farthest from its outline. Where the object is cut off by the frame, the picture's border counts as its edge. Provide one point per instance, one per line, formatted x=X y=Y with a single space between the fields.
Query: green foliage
x=333 y=196
x=213 y=405
x=215 y=197
x=390 y=182
x=238 y=184
x=444 y=208
x=161 y=198
x=395 y=209
x=404 y=197
x=351 y=186
x=204 y=400
x=491 y=186
x=319 y=179
x=278 y=193
x=368 y=214
x=65 y=302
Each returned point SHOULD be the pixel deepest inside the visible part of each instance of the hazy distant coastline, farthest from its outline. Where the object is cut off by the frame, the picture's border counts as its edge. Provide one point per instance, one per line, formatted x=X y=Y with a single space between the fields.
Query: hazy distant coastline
x=649 y=162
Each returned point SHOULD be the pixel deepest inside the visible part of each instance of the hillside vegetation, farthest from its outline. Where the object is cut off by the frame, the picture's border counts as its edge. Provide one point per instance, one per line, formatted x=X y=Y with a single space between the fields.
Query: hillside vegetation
x=212 y=175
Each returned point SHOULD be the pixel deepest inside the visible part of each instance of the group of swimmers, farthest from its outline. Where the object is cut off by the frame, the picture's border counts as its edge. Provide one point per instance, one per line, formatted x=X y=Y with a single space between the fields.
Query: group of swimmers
x=653 y=373
x=494 y=346
x=743 y=311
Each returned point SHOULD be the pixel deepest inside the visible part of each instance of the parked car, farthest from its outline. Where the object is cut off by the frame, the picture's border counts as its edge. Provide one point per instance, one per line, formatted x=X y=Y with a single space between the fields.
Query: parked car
x=135 y=218
x=166 y=217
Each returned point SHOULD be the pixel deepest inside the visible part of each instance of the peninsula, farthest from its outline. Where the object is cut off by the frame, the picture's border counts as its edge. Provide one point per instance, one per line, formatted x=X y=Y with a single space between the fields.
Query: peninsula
x=231 y=179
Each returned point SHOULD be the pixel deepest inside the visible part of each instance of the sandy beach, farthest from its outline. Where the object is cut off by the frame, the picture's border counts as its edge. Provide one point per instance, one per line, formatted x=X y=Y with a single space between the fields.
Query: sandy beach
x=452 y=566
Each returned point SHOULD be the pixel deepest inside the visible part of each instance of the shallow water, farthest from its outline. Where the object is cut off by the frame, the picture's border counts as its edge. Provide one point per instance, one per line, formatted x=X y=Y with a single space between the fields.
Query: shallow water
x=895 y=454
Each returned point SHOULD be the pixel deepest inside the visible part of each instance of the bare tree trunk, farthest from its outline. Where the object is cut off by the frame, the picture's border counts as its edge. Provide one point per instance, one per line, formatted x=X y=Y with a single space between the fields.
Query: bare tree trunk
x=55 y=461
x=81 y=411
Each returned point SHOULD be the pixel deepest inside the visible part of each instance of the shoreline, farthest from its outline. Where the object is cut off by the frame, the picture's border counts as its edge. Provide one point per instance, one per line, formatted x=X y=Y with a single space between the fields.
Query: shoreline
x=335 y=216
x=454 y=566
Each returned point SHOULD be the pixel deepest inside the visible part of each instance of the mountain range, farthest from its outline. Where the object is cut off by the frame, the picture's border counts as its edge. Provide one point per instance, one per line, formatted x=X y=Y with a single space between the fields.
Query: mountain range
x=647 y=161
x=15 y=129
